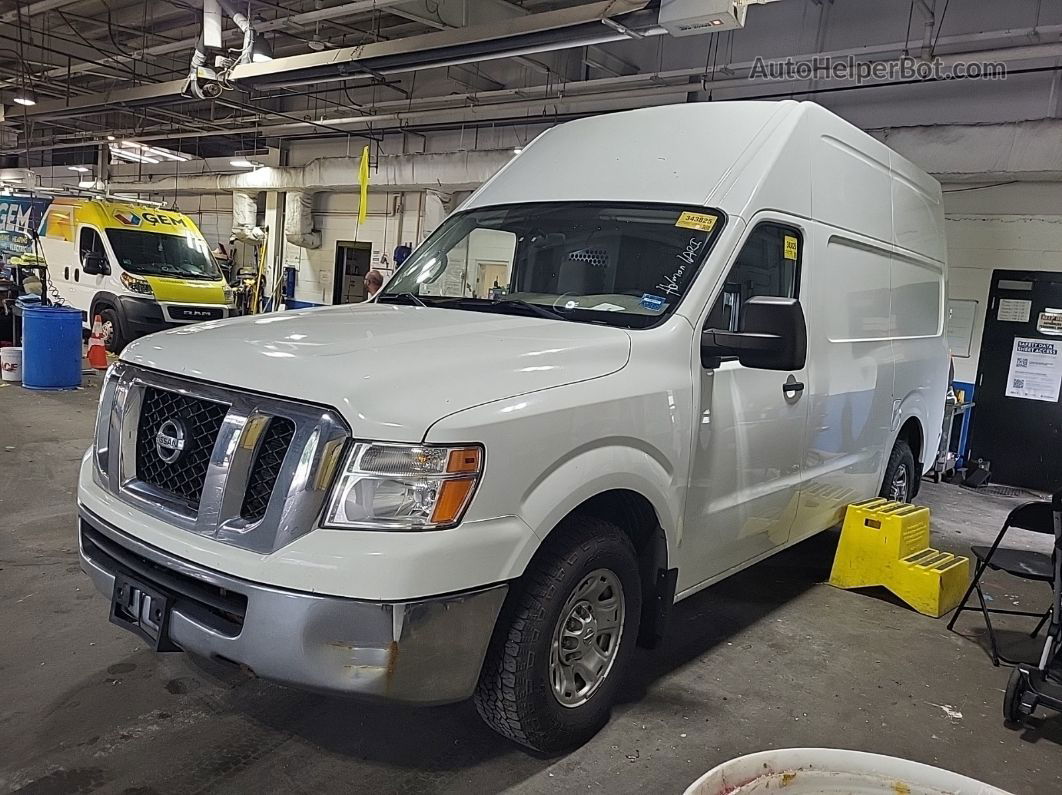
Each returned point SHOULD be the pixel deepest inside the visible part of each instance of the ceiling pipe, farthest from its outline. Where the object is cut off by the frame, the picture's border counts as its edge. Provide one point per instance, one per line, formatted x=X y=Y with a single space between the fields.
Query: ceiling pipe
x=541 y=32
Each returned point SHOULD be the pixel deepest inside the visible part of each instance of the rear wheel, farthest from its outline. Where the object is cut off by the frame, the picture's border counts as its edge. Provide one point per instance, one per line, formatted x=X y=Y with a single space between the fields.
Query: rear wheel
x=564 y=639
x=901 y=475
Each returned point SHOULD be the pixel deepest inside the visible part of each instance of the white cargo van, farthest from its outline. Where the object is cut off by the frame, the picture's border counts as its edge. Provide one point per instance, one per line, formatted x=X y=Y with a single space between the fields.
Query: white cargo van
x=709 y=327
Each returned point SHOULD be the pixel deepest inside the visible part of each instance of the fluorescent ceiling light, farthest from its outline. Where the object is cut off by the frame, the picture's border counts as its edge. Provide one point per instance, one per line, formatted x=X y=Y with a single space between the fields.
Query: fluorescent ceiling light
x=110 y=138
x=241 y=162
x=517 y=150
x=25 y=100
x=131 y=144
x=166 y=153
x=80 y=169
x=136 y=157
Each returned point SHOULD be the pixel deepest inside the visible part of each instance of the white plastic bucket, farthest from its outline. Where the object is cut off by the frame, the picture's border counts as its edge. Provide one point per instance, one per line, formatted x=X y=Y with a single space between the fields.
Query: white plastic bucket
x=11 y=364
x=829 y=770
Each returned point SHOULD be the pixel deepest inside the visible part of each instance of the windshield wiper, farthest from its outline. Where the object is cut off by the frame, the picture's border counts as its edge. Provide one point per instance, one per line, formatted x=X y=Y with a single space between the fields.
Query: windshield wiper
x=411 y=298
x=538 y=309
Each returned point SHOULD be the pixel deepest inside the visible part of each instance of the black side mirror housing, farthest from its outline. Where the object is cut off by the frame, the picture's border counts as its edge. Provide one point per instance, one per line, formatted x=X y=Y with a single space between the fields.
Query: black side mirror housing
x=773 y=336
x=95 y=264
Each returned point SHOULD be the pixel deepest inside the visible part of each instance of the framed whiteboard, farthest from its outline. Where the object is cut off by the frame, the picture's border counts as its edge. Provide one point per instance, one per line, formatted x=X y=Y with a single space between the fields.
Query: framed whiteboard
x=961 y=315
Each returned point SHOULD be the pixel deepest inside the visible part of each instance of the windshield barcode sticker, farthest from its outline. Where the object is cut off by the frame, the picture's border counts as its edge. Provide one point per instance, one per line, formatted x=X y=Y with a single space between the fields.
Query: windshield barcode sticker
x=700 y=221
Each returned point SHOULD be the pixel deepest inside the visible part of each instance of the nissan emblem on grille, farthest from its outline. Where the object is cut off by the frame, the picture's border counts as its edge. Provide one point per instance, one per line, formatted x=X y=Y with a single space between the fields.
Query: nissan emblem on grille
x=170 y=440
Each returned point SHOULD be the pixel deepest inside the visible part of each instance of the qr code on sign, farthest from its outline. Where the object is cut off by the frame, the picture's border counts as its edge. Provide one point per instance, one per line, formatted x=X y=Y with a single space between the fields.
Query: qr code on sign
x=1018 y=383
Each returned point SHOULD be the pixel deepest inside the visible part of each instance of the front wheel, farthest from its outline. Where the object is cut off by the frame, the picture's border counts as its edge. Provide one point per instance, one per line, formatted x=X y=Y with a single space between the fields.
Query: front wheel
x=113 y=340
x=564 y=639
x=901 y=475
x=1012 y=698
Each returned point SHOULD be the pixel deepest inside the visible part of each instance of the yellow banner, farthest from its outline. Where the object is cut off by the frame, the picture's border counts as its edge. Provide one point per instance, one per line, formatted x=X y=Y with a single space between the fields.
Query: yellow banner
x=363 y=181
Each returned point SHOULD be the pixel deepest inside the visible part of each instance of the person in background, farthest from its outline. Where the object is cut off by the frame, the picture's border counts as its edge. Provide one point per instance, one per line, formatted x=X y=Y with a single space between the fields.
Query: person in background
x=373 y=283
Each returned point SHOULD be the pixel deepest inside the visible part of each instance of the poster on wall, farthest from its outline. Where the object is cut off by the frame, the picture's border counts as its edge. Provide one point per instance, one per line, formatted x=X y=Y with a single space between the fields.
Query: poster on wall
x=20 y=216
x=1035 y=369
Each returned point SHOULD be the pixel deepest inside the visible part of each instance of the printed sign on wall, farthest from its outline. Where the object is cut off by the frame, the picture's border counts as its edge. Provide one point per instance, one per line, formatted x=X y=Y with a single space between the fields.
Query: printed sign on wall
x=1035 y=369
x=20 y=216
x=1014 y=310
x=1050 y=322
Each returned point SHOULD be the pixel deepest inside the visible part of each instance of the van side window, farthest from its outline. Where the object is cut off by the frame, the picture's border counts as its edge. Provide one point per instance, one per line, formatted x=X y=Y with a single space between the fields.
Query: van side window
x=768 y=264
x=89 y=242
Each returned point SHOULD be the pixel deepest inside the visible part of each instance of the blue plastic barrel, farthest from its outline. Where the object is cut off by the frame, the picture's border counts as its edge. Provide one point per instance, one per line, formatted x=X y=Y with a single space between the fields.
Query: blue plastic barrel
x=51 y=347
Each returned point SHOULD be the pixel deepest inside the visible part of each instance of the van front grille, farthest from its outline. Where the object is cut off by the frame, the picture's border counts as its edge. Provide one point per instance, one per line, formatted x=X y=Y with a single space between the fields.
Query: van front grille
x=239 y=467
x=196 y=422
x=266 y=468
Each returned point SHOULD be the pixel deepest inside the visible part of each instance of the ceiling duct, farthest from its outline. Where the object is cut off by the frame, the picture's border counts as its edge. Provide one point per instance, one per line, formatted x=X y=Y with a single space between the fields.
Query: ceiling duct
x=582 y=25
x=451 y=171
x=298 y=220
x=244 y=218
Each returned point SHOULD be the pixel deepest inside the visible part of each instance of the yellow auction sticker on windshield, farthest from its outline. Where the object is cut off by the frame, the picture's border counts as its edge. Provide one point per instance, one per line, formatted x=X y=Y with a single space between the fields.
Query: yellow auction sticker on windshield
x=700 y=221
x=790 y=250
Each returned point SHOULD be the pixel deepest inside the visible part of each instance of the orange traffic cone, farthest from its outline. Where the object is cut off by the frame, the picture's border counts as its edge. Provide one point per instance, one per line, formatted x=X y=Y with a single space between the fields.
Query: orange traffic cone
x=97 y=352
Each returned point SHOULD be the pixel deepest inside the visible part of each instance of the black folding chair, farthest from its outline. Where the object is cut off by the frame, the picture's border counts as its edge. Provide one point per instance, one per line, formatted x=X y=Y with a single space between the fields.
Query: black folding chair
x=1035 y=517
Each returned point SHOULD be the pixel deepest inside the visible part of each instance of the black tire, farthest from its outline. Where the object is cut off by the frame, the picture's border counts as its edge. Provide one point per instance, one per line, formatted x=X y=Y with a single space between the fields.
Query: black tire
x=515 y=695
x=1012 y=698
x=900 y=460
x=117 y=340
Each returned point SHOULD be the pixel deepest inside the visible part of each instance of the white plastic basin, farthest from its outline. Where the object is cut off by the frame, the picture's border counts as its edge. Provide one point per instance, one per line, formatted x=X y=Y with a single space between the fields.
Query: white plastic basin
x=795 y=771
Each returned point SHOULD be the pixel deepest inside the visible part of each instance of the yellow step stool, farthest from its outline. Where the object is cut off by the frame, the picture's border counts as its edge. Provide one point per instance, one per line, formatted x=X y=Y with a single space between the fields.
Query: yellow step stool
x=886 y=543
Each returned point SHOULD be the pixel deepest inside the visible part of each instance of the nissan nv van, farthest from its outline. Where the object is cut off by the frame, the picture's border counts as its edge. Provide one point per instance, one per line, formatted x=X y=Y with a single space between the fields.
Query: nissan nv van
x=708 y=329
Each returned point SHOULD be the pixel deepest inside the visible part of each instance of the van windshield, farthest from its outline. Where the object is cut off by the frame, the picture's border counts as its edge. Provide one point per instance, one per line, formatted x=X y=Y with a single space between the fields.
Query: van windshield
x=153 y=254
x=619 y=264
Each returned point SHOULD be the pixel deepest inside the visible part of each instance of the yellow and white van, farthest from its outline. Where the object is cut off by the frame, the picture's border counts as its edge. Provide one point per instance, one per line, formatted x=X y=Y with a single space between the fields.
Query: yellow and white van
x=139 y=267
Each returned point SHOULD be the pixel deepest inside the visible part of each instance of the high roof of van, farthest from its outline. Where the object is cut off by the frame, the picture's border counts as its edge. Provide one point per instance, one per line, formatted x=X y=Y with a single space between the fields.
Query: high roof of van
x=739 y=157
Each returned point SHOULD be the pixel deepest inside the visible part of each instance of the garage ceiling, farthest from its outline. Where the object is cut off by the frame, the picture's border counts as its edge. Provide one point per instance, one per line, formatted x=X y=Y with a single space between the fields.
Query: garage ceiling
x=363 y=68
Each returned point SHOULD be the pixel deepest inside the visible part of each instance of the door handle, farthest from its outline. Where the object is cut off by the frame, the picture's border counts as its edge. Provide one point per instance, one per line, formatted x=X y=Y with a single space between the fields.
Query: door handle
x=789 y=388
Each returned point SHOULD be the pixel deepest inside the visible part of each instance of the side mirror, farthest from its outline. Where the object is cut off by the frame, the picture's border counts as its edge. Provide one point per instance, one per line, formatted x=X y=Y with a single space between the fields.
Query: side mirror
x=94 y=264
x=773 y=336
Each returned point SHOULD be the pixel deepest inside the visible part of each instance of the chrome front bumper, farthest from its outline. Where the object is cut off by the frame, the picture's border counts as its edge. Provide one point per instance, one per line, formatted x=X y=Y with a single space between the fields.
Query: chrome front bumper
x=426 y=652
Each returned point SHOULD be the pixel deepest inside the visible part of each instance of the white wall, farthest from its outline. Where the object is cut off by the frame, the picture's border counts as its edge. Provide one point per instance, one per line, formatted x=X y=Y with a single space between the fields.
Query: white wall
x=1012 y=227
x=336 y=217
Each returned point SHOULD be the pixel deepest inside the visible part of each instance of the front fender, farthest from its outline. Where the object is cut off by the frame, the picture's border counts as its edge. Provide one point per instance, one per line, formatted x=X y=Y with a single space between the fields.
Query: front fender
x=613 y=464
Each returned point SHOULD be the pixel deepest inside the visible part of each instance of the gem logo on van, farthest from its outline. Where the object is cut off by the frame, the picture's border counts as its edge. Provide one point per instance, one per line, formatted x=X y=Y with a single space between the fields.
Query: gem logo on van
x=133 y=219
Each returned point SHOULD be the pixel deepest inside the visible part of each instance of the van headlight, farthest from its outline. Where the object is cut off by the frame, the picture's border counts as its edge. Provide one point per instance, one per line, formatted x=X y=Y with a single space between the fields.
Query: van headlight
x=137 y=285
x=404 y=487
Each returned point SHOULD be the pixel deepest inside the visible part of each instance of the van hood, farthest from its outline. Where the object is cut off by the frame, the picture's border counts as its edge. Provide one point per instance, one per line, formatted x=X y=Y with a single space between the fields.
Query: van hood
x=390 y=370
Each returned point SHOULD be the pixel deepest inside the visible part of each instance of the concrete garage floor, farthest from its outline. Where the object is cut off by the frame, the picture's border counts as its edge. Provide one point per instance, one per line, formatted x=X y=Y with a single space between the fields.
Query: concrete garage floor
x=769 y=659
